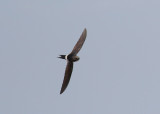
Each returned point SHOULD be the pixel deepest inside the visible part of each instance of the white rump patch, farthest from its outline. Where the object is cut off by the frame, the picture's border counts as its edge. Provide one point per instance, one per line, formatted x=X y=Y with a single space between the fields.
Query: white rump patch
x=66 y=57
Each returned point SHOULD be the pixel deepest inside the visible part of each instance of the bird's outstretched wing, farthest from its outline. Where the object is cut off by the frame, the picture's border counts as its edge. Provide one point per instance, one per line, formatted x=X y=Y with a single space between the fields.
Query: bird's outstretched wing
x=67 y=76
x=80 y=42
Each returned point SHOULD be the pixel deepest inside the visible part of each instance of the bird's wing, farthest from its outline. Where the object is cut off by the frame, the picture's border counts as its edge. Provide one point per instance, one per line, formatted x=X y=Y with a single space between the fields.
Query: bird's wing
x=67 y=76
x=80 y=42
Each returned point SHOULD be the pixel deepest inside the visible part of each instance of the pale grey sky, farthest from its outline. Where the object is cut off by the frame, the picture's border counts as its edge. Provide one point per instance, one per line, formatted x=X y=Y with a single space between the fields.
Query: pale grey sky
x=119 y=67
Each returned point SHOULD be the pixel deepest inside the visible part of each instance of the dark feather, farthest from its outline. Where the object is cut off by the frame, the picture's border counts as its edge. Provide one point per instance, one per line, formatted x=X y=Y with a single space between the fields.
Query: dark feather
x=80 y=42
x=67 y=76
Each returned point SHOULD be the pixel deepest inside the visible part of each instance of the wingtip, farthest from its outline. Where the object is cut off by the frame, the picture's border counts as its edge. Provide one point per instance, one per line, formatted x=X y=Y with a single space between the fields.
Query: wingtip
x=85 y=29
x=61 y=91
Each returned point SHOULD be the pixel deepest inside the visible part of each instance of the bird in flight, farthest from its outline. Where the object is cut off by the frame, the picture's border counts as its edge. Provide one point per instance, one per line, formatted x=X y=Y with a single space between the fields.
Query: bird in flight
x=72 y=57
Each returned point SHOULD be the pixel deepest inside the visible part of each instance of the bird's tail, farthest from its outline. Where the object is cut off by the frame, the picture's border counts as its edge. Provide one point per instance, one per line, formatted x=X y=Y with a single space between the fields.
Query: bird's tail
x=62 y=56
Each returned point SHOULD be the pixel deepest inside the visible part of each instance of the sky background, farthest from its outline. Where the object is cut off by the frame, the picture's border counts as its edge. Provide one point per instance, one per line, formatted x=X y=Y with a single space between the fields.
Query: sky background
x=119 y=67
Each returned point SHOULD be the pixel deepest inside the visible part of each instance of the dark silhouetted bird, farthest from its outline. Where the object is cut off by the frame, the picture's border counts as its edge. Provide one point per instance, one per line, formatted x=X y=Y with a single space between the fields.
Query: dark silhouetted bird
x=72 y=57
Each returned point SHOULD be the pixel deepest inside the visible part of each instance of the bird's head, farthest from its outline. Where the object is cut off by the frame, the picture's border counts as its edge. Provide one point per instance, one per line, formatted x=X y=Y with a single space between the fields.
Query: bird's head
x=75 y=58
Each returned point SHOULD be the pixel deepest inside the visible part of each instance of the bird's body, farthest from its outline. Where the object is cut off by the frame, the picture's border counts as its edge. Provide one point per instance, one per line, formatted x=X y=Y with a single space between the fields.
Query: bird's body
x=72 y=57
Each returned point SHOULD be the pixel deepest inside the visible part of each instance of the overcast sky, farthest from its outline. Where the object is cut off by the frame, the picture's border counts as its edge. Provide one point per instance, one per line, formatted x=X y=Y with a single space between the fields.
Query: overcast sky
x=119 y=67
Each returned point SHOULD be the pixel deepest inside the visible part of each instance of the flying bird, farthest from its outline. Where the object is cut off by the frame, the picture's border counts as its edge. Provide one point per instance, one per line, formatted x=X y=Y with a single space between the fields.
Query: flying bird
x=72 y=57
